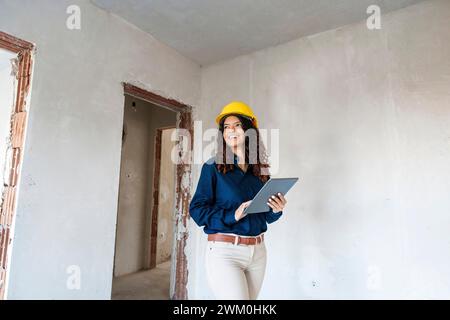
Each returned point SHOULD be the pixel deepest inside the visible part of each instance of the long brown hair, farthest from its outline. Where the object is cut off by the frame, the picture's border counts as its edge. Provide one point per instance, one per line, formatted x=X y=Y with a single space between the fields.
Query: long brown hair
x=259 y=165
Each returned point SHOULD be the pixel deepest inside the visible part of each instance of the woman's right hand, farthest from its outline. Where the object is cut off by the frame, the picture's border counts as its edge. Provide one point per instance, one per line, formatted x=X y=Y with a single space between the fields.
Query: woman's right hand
x=239 y=214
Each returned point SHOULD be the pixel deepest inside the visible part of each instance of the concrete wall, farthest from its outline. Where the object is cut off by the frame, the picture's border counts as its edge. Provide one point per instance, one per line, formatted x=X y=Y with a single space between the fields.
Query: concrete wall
x=67 y=205
x=136 y=184
x=166 y=219
x=364 y=121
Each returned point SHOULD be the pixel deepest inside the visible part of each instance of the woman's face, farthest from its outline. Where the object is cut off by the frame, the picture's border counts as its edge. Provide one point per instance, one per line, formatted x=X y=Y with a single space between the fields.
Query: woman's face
x=233 y=132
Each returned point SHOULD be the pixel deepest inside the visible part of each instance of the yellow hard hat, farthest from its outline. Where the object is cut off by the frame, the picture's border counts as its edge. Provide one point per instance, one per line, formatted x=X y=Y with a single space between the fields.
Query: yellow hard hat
x=237 y=107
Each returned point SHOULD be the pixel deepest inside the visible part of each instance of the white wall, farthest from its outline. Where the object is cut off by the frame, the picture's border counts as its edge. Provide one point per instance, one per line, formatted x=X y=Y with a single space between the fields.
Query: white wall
x=8 y=85
x=364 y=119
x=67 y=204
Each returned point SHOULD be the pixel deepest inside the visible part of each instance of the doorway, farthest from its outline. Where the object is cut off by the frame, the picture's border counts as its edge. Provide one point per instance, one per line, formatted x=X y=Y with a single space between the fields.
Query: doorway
x=16 y=59
x=149 y=259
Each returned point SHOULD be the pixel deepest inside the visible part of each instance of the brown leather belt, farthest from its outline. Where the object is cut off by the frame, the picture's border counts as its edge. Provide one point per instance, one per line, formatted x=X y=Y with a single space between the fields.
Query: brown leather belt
x=236 y=239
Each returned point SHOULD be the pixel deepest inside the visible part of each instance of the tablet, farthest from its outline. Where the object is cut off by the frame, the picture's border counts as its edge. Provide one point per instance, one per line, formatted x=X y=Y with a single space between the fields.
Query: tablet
x=271 y=187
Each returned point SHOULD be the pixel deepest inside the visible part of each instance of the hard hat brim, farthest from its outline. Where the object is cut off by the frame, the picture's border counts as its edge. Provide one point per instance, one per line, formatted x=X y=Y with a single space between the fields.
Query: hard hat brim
x=221 y=116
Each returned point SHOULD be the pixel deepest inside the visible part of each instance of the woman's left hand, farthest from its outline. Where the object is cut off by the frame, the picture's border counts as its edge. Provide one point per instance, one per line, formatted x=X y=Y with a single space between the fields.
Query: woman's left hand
x=277 y=203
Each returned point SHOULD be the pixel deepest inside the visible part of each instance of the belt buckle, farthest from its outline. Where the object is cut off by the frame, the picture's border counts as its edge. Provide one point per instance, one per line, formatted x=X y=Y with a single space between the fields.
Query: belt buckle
x=236 y=240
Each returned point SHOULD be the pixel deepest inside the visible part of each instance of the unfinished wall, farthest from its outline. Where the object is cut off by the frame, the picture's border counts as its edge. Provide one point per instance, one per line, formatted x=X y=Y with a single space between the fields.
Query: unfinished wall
x=364 y=122
x=67 y=207
x=166 y=207
x=136 y=183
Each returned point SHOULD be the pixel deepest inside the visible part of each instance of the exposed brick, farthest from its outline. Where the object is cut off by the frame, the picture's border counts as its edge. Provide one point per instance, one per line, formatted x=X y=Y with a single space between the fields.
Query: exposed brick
x=156 y=181
x=23 y=77
x=2 y=282
x=14 y=44
x=20 y=84
x=24 y=81
x=8 y=206
x=14 y=171
x=18 y=129
x=2 y=246
x=4 y=242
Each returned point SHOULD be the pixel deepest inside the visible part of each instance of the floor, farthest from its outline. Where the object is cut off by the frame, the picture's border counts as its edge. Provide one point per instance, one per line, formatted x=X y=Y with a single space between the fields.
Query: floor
x=144 y=285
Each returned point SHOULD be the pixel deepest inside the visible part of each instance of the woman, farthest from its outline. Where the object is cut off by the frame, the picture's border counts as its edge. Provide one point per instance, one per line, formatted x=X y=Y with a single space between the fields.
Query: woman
x=236 y=254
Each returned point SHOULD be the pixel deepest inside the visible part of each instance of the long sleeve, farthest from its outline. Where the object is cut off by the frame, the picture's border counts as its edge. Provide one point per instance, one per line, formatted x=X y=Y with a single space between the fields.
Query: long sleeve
x=203 y=209
x=272 y=216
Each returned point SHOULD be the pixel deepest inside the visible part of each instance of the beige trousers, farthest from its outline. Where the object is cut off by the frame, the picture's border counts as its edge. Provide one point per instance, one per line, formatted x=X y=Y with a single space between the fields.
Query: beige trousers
x=235 y=272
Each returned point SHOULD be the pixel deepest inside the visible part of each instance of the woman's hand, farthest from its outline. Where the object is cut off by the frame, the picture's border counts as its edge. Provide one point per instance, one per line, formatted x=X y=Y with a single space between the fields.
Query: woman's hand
x=239 y=214
x=277 y=203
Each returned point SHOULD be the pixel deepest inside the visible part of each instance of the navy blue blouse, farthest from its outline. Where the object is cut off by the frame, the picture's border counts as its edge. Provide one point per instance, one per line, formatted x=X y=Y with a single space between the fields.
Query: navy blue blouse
x=219 y=195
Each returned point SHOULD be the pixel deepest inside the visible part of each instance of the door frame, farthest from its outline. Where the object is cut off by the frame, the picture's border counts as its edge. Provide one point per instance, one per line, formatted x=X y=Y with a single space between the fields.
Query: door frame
x=179 y=271
x=19 y=116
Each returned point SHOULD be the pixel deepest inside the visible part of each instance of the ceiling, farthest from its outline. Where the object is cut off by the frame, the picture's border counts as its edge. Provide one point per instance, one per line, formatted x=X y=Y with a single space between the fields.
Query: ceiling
x=208 y=31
